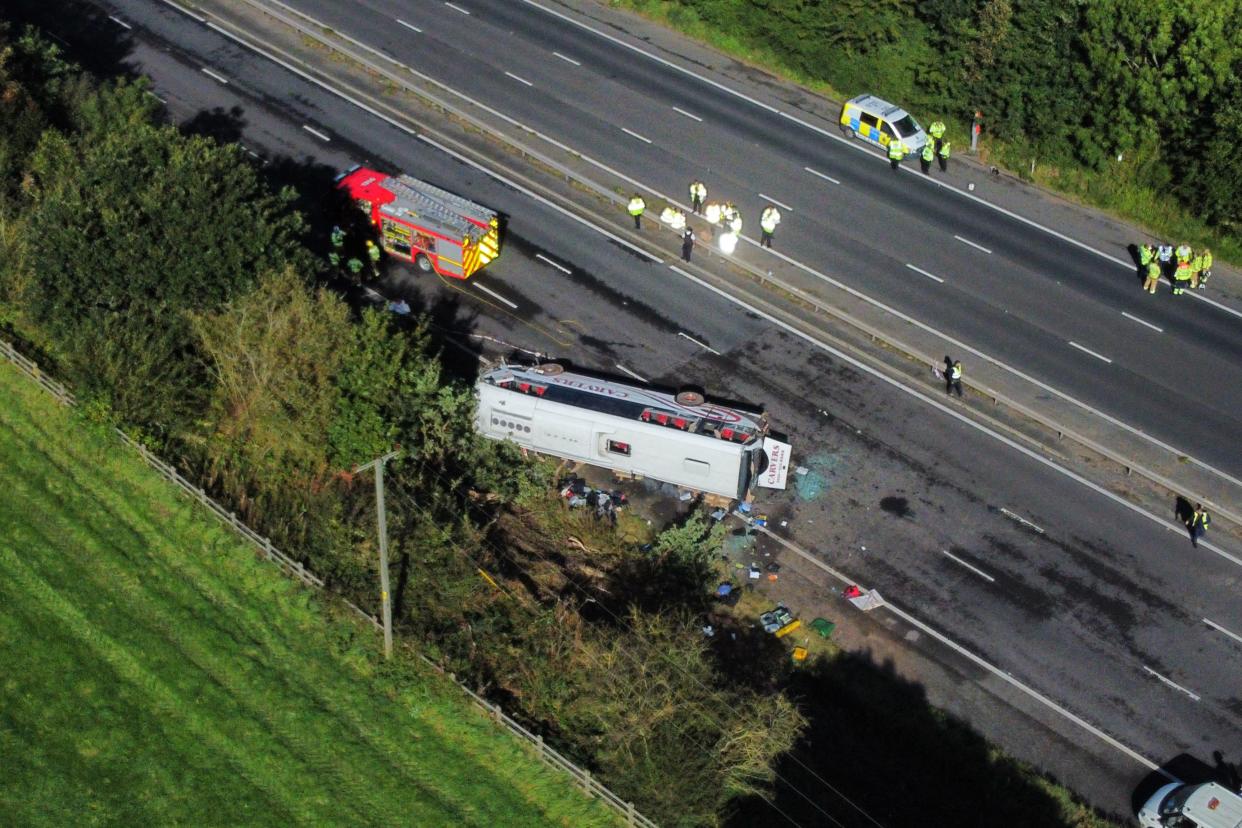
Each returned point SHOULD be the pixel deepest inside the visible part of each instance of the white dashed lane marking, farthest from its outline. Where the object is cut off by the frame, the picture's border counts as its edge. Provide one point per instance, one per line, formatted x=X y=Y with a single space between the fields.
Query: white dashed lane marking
x=1142 y=322
x=975 y=245
x=925 y=273
x=1100 y=357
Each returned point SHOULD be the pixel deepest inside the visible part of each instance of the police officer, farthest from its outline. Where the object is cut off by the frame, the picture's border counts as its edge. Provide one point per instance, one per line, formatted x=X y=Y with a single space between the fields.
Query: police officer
x=1183 y=253
x=636 y=209
x=732 y=218
x=687 y=243
x=1198 y=524
x=943 y=152
x=896 y=152
x=767 y=223
x=1153 y=276
x=1164 y=255
x=698 y=194
x=936 y=130
x=928 y=156
x=1206 y=272
x=953 y=379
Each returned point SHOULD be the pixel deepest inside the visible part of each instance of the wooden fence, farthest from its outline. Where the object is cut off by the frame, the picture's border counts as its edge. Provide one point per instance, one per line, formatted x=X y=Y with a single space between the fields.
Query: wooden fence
x=582 y=778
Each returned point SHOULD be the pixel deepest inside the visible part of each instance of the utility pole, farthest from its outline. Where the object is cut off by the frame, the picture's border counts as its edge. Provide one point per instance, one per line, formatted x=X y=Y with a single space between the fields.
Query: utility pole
x=381 y=518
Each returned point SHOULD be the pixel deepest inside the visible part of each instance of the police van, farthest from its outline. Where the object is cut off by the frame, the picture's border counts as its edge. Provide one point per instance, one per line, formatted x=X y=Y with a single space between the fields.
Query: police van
x=1210 y=805
x=878 y=121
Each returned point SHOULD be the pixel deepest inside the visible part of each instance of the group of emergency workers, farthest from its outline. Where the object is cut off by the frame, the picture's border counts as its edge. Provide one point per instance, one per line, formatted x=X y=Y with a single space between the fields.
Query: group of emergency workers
x=724 y=214
x=936 y=149
x=1186 y=269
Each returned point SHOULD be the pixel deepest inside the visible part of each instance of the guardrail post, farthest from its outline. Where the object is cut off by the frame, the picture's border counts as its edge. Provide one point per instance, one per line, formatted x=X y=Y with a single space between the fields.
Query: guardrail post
x=586 y=781
x=539 y=743
x=629 y=814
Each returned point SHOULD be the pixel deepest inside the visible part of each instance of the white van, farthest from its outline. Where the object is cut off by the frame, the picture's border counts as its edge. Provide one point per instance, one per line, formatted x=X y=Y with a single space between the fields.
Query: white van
x=1209 y=805
x=878 y=121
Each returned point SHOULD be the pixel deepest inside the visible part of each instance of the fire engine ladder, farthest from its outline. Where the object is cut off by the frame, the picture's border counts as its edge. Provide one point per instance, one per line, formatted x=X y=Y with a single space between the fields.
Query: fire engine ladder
x=447 y=209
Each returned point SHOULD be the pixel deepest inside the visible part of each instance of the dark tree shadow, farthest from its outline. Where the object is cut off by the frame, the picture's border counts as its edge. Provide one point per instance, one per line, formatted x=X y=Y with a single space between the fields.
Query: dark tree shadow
x=224 y=126
x=875 y=738
x=91 y=39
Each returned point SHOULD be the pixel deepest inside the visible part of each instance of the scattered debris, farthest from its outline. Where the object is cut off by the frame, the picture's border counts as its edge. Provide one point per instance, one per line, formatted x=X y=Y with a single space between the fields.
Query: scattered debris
x=868 y=601
x=823 y=626
x=605 y=503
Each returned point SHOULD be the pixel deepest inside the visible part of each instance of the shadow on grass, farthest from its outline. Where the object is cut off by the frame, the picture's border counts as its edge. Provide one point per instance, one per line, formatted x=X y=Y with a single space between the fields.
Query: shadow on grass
x=875 y=738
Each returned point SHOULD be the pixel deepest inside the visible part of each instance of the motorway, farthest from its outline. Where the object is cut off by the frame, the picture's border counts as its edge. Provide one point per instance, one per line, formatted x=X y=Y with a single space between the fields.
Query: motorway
x=1009 y=289
x=1091 y=611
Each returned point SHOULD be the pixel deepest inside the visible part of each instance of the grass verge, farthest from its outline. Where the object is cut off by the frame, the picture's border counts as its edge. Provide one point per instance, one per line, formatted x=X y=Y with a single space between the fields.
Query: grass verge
x=155 y=672
x=1118 y=190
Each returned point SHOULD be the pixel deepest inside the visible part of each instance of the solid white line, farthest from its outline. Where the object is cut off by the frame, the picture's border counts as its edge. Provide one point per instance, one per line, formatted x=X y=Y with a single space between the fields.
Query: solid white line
x=972 y=244
x=118 y=21
x=157 y=97
x=821 y=175
x=567 y=59
x=409 y=26
x=558 y=266
x=547 y=202
x=1142 y=322
x=214 y=76
x=687 y=114
x=685 y=335
x=925 y=273
x=951 y=411
x=855 y=145
x=1089 y=351
x=457 y=8
x=1172 y=684
x=432 y=142
x=495 y=295
x=1225 y=308
x=316 y=133
x=519 y=80
x=1232 y=635
x=777 y=203
x=958 y=648
x=973 y=569
x=635 y=135
x=1020 y=519
x=185 y=11
x=621 y=367
x=784 y=325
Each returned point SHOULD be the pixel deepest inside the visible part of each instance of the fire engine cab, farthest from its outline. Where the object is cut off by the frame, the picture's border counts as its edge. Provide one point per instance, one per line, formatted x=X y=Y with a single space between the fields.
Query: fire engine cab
x=418 y=222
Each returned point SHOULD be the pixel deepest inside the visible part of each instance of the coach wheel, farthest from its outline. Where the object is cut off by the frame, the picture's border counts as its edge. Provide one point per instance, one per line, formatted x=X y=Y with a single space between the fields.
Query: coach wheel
x=690 y=397
x=551 y=369
x=424 y=264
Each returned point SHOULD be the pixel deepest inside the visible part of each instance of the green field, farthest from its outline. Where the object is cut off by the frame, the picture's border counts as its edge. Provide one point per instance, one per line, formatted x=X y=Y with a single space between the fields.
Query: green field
x=154 y=672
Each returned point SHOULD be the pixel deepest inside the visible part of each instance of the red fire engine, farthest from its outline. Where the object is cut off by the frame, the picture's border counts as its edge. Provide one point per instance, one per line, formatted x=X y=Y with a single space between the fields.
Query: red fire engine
x=421 y=223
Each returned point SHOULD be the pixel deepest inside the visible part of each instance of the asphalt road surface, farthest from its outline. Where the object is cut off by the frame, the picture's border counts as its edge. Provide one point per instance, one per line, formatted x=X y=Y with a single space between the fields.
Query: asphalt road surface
x=1100 y=610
